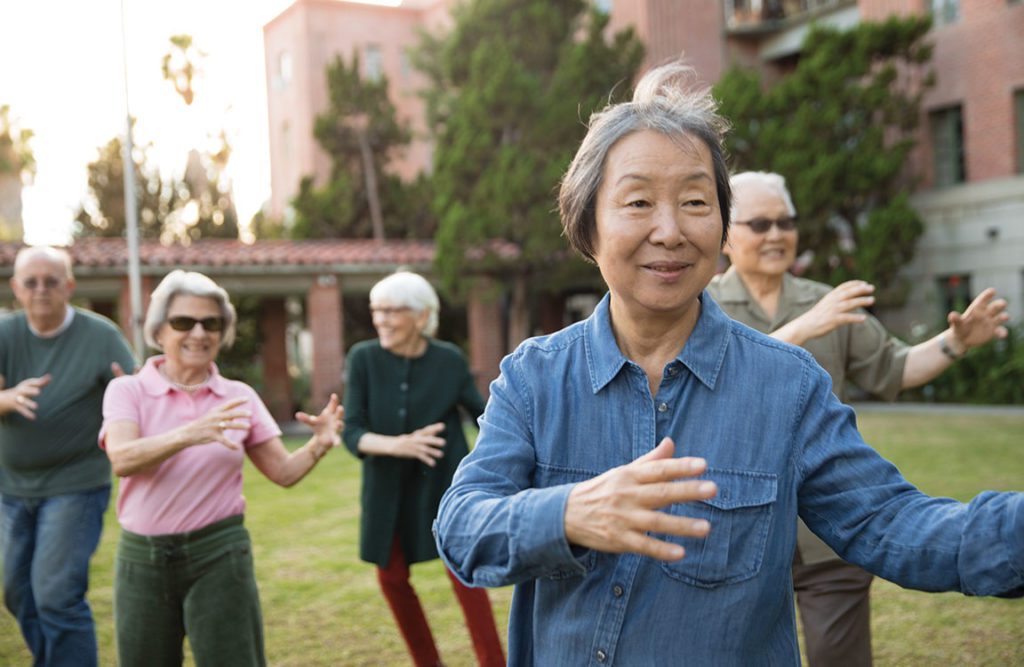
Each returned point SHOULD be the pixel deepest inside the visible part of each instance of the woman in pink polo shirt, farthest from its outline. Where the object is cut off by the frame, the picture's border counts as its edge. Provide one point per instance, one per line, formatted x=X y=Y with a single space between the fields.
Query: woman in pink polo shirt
x=177 y=433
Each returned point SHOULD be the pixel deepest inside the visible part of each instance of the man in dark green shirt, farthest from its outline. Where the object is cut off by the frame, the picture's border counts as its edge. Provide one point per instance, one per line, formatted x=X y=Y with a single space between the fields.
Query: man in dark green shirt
x=55 y=363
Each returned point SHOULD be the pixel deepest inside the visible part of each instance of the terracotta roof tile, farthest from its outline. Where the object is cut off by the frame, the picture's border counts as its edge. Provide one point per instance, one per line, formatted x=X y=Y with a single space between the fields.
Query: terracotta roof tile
x=112 y=253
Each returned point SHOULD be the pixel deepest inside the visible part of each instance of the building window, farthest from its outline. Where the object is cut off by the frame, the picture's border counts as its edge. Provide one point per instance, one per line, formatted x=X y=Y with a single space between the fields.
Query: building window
x=947 y=130
x=1018 y=107
x=373 y=66
x=945 y=12
x=955 y=292
x=284 y=68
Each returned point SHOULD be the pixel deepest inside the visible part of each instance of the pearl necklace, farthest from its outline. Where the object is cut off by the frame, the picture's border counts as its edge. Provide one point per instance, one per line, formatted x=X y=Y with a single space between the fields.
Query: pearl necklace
x=185 y=387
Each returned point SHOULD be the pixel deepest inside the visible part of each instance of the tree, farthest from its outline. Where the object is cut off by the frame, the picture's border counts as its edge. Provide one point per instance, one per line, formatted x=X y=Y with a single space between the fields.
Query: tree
x=199 y=204
x=511 y=87
x=180 y=66
x=17 y=164
x=361 y=133
x=840 y=127
x=103 y=213
x=170 y=209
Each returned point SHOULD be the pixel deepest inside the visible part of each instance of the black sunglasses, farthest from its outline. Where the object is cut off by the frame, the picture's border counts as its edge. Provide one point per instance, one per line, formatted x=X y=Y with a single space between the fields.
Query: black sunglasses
x=186 y=323
x=49 y=282
x=762 y=225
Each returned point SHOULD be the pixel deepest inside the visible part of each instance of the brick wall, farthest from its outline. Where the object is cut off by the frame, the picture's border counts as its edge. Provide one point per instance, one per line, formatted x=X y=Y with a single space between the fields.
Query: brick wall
x=486 y=336
x=324 y=320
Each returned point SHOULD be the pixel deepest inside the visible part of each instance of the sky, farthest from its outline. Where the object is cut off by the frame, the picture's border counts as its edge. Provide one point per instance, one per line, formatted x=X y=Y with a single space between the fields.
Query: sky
x=61 y=72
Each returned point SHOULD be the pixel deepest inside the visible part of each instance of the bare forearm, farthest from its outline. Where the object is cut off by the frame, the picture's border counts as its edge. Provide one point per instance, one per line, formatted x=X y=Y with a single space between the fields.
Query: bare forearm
x=375 y=444
x=139 y=455
x=926 y=361
x=8 y=400
x=793 y=333
x=298 y=463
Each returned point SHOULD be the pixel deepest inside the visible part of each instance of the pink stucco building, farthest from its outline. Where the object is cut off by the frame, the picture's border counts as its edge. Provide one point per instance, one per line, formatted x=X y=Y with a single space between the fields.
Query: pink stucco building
x=971 y=154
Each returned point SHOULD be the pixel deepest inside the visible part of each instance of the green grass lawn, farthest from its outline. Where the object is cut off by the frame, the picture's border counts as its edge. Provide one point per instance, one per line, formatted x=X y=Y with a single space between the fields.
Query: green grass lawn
x=321 y=604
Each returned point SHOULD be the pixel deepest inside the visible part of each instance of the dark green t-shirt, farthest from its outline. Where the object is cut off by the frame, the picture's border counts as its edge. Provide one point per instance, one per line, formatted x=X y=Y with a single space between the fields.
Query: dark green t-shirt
x=57 y=452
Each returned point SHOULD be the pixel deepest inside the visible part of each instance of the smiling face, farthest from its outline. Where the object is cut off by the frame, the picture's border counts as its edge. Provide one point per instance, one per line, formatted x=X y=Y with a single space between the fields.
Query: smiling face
x=399 y=327
x=189 y=353
x=659 y=226
x=768 y=255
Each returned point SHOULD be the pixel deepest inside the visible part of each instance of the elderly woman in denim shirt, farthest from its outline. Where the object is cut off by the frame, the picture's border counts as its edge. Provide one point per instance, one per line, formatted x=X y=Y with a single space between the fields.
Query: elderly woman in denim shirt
x=638 y=475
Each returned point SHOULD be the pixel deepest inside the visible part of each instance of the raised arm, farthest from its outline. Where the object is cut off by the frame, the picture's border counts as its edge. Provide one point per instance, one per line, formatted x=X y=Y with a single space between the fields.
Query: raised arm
x=983 y=321
x=286 y=468
x=838 y=308
x=863 y=508
x=130 y=454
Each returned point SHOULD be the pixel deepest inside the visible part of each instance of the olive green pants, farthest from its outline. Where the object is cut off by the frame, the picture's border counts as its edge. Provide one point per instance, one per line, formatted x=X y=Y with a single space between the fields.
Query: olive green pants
x=198 y=584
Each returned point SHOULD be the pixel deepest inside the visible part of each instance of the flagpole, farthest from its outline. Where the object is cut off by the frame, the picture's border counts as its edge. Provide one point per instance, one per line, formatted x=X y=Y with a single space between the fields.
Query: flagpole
x=131 y=210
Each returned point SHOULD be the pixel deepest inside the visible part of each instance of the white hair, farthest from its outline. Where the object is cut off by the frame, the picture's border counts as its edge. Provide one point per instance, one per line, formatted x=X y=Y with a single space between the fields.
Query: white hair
x=188 y=283
x=55 y=255
x=766 y=179
x=411 y=290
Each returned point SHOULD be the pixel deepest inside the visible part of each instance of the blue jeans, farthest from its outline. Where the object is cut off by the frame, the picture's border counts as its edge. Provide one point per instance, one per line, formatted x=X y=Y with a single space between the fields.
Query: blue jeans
x=46 y=545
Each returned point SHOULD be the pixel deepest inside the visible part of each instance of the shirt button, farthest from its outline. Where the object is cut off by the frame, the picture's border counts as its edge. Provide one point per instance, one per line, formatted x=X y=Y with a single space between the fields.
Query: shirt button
x=404 y=386
x=663 y=407
x=673 y=371
x=617 y=591
x=401 y=412
x=601 y=655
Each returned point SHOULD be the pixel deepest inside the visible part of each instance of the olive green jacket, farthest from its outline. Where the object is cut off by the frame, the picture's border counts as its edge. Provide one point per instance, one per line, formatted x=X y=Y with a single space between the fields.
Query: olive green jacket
x=864 y=353
x=391 y=395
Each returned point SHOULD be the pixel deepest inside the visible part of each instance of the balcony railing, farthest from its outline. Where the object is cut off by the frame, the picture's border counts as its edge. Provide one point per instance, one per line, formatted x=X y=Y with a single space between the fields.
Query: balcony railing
x=767 y=14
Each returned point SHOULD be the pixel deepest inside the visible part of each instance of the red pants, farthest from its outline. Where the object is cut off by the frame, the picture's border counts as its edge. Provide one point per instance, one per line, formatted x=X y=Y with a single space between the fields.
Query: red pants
x=405 y=605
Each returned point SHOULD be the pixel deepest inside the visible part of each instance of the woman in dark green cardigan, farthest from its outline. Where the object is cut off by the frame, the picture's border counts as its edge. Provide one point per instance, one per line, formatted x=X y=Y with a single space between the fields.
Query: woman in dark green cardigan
x=402 y=399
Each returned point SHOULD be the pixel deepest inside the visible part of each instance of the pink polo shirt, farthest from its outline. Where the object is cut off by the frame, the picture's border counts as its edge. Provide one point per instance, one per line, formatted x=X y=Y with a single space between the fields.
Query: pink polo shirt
x=199 y=485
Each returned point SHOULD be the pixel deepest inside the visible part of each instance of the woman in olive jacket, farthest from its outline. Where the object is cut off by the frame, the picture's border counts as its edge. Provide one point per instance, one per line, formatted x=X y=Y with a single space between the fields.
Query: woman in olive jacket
x=402 y=399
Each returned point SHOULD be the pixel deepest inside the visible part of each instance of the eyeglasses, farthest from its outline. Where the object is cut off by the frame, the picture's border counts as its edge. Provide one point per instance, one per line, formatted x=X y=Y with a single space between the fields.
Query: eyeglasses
x=186 y=323
x=49 y=282
x=762 y=225
x=389 y=310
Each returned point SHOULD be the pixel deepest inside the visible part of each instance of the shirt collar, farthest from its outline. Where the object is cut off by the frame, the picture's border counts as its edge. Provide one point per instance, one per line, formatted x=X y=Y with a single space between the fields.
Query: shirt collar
x=703 y=354
x=155 y=384
x=69 y=315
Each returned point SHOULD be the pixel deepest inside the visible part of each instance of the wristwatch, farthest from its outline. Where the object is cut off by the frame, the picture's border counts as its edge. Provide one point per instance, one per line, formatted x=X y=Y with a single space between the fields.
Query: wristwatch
x=949 y=351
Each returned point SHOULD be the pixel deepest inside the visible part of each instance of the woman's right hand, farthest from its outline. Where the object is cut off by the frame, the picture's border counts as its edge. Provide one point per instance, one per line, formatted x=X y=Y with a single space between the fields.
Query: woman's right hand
x=836 y=309
x=212 y=426
x=423 y=444
x=616 y=511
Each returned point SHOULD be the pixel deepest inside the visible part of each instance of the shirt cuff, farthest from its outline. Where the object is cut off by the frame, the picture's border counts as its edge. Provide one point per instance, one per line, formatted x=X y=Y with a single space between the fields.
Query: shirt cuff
x=538 y=531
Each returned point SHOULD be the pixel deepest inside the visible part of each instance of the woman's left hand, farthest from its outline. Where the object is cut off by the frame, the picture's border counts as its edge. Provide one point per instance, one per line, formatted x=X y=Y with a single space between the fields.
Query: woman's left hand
x=326 y=426
x=983 y=320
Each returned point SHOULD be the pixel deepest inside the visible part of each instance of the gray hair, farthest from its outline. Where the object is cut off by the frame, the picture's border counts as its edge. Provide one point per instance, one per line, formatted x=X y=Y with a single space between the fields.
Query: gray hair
x=411 y=290
x=187 y=283
x=769 y=180
x=55 y=255
x=666 y=101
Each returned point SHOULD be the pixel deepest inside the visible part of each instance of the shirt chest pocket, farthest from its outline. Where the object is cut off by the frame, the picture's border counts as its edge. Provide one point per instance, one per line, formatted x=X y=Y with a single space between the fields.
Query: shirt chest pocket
x=740 y=516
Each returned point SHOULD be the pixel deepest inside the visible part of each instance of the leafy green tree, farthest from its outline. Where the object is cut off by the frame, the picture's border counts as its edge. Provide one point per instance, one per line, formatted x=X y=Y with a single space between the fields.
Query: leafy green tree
x=512 y=85
x=197 y=205
x=103 y=214
x=169 y=209
x=840 y=127
x=17 y=165
x=361 y=133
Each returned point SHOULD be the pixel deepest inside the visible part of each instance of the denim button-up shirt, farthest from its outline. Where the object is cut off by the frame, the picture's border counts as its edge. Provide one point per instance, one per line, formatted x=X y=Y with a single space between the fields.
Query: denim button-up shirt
x=570 y=406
